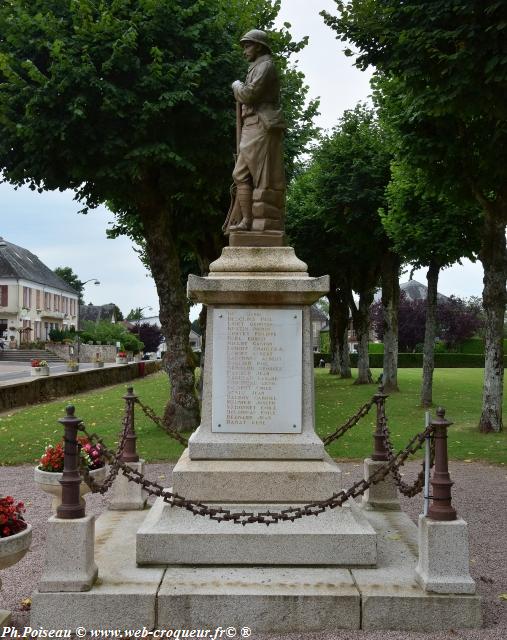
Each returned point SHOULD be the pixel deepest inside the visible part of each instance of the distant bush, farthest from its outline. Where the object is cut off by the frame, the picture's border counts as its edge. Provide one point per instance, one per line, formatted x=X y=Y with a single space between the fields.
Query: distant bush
x=375 y=347
x=110 y=333
x=442 y=360
x=59 y=335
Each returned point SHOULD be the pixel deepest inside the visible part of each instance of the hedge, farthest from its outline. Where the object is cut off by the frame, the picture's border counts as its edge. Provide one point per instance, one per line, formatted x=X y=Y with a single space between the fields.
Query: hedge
x=415 y=360
x=476 y=345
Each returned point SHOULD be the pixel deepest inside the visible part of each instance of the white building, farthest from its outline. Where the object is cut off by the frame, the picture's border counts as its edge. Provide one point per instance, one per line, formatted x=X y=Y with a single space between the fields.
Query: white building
x=194 y=337
x=33 y=299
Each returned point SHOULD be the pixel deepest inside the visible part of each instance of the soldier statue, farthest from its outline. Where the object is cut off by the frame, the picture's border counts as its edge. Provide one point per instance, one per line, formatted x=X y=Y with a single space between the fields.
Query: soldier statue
x=258 y=201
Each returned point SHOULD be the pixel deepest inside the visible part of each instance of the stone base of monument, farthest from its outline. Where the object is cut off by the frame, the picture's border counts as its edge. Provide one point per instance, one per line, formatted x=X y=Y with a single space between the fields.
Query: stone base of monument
x=5 y=618
x=341 y=537
x=125 y=495
x=384 y=494
x=266 y=599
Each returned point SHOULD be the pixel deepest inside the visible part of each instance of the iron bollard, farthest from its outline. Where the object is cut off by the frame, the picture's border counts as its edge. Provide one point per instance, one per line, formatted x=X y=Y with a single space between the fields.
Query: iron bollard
x=71 y=507
x=441 y=507
x=379 y=449
x=129 y=453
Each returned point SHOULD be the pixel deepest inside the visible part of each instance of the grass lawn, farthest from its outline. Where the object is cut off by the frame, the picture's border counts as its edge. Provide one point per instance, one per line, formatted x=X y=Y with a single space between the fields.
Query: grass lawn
x=24 y=433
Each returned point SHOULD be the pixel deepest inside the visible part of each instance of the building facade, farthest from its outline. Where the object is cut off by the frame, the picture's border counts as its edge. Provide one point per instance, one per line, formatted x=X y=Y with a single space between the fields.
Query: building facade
x=33 y=299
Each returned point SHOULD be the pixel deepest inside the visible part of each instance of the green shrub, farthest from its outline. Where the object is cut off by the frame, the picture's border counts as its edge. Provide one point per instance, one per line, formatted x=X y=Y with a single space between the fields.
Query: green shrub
x=110 y=333
x=415 y=360
x=375 y=347
x=318 y=356
x=324 y=342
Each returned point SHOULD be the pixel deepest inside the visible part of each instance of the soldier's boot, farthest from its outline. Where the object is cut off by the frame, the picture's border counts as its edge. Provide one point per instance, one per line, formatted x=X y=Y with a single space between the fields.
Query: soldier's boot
x=244 y=195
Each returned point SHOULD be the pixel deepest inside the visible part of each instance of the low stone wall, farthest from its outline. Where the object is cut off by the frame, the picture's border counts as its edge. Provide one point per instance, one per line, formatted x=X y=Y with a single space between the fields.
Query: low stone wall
x=51 y=387
x=87 y=352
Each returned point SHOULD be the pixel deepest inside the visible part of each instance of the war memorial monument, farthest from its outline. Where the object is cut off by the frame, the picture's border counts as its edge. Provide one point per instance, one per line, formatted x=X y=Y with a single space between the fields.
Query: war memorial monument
x=257 y=529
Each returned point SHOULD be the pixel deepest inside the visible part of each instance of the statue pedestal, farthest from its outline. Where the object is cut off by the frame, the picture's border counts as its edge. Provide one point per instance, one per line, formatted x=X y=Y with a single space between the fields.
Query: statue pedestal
x=256 y=448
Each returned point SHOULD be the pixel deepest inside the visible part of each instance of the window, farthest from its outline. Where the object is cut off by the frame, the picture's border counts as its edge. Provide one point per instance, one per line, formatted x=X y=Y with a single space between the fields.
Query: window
x=4 y=295
x=27 y=297
x=37 y=299
x=47 y=301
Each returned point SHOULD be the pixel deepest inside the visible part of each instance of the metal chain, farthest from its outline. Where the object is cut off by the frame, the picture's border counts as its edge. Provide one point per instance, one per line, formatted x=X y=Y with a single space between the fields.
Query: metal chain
x=150 y=413
x=406 y=489
x=270 y=517
x=352 y=421
x=112 y=458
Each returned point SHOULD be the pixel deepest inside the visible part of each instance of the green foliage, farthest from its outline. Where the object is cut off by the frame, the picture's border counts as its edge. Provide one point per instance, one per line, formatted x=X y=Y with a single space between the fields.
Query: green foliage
x=332 y=207
x=424 y=225
x=430 y=57
x=442 y=360
x=135 y=314
x=59 y=335
x=375 y=347
x=110 y=333
x=476 y=346
x=324 y=341
x=71 y=278
x=129 y=102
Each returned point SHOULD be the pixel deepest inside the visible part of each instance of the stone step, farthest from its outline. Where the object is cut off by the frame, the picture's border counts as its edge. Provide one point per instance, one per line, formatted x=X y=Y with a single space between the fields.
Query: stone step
x=26 y=355
x=340 y=537
x=265 y=599
x=257 y=481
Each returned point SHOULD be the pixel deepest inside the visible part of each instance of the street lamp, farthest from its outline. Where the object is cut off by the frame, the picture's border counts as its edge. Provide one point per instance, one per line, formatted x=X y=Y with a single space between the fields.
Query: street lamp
x=95 y=281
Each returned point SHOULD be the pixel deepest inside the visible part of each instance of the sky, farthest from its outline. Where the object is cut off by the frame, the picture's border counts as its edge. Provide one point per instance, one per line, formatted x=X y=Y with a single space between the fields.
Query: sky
x=48 y=224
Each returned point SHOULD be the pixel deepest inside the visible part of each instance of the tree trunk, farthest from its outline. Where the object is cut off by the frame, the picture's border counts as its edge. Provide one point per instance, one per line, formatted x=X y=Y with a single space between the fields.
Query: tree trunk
x=343 y=348
x=390 y=305
x=494 y=260
x=182 y=410
x=361 y=318
x=338 y=333
x=430 y=329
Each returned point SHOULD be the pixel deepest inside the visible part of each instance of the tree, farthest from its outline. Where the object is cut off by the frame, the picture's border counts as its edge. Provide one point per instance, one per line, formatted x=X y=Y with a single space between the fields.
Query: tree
x=456 y=321
x=333 y=215
x=128 y=102
x=354 y=172
x=149 y=334
x=431 y=57
x=428 y=229
x=135 y=314
x=306 y=219
x=71 y=278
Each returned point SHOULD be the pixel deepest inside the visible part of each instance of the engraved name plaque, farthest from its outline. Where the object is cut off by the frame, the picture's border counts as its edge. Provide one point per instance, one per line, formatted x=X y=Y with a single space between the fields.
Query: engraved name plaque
x=257 y=373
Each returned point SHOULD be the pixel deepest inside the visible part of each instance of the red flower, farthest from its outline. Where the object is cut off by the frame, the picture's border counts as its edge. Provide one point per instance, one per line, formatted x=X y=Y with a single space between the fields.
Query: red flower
x=11 y=517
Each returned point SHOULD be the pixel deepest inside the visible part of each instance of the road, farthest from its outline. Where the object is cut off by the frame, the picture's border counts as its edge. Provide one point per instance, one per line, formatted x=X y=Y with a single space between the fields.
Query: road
x=18 y=371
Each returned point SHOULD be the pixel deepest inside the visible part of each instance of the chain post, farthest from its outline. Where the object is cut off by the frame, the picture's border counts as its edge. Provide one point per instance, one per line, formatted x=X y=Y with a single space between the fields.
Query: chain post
x=441 y=507
x=380 y=453
x=129 y=453
x=71 y=507
x=427 y=465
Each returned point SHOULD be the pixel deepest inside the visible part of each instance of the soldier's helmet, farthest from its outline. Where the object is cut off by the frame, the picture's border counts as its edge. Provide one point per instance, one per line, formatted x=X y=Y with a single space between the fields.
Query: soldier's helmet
x=258 y=36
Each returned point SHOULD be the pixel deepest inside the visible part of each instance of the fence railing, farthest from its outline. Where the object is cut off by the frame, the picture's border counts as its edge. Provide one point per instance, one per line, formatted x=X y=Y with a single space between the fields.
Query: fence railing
x=383 y=451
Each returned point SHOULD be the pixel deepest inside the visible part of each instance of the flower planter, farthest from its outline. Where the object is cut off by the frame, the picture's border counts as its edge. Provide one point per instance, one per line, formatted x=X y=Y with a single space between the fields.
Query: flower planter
x=39 y=371
x=49 y=482
x=98 y=365
x=121 y=360
x=13 y=548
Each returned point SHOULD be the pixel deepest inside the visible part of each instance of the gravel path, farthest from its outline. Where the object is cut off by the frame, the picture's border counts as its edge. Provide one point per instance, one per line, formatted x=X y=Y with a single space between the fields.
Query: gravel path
x=480 y=496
